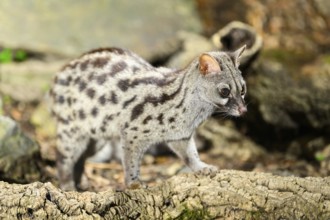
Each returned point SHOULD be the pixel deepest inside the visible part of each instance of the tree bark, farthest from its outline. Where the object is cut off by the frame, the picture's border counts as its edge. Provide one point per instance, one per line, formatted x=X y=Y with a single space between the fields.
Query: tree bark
x=227 y=194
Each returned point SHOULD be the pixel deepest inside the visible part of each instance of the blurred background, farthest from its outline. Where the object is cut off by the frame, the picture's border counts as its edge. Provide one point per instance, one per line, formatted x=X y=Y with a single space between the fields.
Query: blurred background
x=287 y=68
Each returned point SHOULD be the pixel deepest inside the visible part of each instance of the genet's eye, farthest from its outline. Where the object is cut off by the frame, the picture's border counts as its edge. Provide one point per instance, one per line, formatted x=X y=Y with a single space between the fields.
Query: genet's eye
x=224 y=92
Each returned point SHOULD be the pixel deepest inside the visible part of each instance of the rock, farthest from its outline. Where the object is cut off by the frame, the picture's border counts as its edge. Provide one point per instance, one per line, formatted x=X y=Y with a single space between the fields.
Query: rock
x=192 y=44
x=289 y=98
x=226 y=142
x=324 y=158
x=43 y=121
x=296 y=25
x=1 y=107
x=229 y=38
x=69 y=29
x=28 y=81
x=236 y=34
x=17 y=153
x=45 y=130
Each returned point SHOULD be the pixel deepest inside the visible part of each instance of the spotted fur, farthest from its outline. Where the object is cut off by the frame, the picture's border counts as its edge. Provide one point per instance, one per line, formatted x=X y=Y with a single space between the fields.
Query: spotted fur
x=113 y=94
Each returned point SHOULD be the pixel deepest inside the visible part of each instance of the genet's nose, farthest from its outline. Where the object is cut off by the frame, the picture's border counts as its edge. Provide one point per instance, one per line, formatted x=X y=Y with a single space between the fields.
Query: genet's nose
x=242 y=110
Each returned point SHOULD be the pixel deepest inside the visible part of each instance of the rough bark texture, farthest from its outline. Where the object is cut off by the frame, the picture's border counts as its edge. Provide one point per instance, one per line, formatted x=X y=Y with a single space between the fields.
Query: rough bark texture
x=226 y=195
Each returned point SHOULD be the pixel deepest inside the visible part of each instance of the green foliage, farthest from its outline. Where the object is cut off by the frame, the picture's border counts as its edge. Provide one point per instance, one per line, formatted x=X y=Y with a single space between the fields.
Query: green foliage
x=8 y=55
x=319 y=156
x=20 y=55
x=326 y=58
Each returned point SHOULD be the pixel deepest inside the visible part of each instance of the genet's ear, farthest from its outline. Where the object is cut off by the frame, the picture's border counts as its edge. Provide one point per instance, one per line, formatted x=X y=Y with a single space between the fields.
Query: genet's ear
x=237 y=55
x=207 y=64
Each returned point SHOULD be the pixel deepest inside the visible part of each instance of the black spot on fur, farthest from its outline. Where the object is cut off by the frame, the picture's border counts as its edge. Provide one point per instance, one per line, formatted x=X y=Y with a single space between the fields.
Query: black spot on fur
x=90 y=93
x=137 y=111
x=69 y=100
x=171 y=120
x=91 y=76
x=83 y=65
x=146 y=131
x=148 y=118
x=109 y=117
x=160 y=118
x=95 y=111
x=58 y=136
x=73 y=130
x=100 y=62
x=82 y=85
x=113 y=97
x=118 y=67
x=63 y=82
x=70 y=65
x=62 y=120
x=183 y=98
x=123 y=85
x=81 y=114
x=134 y=128
x=126 y=125
x=76 y=80
x=93 y=131
x=135 y=69
x=102 y=100
x=155 y=101
x=60 y=99
x=101 y=79
x=129 y=101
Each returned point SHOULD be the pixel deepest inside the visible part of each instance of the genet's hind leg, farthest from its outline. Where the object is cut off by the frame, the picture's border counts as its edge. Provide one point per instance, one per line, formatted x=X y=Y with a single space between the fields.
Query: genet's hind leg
x=70 y=147
x=186 y=150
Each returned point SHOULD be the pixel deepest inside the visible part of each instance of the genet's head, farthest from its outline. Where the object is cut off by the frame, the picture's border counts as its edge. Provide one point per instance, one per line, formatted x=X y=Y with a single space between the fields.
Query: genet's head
x=221 y=83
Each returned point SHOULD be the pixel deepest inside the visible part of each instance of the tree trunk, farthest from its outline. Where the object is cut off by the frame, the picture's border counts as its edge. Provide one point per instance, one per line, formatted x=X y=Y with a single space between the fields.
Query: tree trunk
x=225 y=195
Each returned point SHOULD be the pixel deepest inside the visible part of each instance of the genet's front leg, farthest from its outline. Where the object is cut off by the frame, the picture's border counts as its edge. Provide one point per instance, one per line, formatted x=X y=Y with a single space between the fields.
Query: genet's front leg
x=186 y=150
x=131 y=159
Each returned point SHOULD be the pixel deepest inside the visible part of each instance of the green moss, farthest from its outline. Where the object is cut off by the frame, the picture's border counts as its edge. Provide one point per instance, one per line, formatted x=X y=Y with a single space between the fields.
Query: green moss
x=290 y=58
x=256 y=215
x=188 y=214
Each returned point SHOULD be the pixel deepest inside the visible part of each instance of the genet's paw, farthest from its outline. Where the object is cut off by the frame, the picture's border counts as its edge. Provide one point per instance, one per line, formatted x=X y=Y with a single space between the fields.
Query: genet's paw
x=136 y=185
x=68 y=186
x=208 y=170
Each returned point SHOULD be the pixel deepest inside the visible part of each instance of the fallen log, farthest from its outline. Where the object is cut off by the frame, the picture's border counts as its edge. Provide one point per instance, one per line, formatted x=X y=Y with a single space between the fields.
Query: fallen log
x=227 y=194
